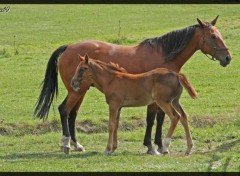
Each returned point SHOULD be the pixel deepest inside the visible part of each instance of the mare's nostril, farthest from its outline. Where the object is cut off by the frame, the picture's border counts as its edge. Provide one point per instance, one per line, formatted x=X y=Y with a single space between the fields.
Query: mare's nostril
x=228 y=58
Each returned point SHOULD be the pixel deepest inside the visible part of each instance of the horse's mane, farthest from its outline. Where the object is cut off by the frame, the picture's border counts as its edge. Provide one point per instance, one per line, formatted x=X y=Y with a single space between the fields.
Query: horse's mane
x=173 y=42
x=111 y=66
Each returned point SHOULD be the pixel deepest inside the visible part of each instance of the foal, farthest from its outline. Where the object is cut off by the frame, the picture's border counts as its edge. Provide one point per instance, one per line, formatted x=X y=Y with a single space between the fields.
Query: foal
x=122 y=89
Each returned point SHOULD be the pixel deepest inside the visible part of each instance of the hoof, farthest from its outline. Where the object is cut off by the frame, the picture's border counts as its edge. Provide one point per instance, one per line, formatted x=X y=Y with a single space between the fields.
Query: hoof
x=160 y=150
x=106 y=152
x=79 y=149
x=165 y=152
x=153 y=152
x=188 y=153
x=66 y=150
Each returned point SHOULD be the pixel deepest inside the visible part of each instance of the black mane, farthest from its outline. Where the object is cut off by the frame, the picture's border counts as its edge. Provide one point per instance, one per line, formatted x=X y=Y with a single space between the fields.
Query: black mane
x=171 y=43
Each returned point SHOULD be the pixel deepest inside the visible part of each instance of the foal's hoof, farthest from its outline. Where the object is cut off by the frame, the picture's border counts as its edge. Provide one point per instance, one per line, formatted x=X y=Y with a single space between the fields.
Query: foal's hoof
x=153 y=152
x=164 y=152
x=188 y=153
x=107 y=152
x=160 y=150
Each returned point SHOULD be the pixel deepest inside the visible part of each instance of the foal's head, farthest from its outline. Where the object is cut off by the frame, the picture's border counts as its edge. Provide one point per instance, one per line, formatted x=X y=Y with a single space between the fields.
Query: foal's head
x=212 y=42
x=82 y=73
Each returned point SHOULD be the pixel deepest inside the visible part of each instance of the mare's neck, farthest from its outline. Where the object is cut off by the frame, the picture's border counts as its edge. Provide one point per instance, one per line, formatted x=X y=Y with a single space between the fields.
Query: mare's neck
x=193 y=45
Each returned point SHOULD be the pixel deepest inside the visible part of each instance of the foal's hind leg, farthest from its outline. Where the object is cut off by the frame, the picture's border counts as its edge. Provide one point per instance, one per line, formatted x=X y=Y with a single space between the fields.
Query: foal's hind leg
x=174 y=117
x=184 y=121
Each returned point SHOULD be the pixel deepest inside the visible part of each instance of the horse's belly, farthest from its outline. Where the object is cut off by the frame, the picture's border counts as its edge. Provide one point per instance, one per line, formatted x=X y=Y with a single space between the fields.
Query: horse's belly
x=137 y=101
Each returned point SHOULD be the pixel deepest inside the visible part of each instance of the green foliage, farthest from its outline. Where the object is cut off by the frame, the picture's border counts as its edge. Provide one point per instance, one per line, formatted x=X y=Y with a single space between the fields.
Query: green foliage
x=29 y=35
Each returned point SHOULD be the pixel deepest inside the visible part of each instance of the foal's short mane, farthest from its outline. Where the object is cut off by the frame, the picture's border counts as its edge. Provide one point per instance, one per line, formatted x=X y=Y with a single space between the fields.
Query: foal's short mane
x=111 y=66
x=173 y=42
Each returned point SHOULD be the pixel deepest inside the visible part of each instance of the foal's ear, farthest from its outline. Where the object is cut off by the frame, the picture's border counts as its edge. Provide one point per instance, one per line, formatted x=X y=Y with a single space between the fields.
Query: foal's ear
x=201 y=23
x=214 y=21
x=80 y=58
x=86 y=58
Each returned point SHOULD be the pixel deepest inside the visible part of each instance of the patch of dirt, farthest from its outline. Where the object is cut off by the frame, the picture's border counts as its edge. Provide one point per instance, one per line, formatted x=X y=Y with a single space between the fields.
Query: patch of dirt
x=201 y=122
x=86 y=126
x=135 y=123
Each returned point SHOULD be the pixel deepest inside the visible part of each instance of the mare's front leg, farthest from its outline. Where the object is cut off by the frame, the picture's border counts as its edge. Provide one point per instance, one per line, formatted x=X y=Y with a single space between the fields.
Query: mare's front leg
x=151 y=113
x=112 y=127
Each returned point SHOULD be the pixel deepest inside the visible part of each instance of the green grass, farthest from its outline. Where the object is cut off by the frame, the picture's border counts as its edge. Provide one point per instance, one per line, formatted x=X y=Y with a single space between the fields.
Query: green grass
x=27 y=144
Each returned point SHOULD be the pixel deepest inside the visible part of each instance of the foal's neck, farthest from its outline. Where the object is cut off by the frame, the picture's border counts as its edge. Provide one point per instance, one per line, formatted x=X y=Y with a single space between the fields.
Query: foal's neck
x=101 y=77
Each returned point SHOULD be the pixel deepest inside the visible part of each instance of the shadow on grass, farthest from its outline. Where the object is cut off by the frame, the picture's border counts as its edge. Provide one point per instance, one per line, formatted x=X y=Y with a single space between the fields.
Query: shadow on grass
x=15 y=157
x=215 y=159
x=22 y=157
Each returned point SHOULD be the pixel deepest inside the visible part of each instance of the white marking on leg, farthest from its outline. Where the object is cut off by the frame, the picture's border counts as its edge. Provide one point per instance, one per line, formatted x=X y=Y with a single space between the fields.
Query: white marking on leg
x=77 y=146
x=166 y=144
x=65 y=142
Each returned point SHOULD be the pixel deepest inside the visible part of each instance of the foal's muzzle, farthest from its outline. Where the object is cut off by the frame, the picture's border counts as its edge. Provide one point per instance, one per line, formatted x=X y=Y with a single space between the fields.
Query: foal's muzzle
x=75 y=85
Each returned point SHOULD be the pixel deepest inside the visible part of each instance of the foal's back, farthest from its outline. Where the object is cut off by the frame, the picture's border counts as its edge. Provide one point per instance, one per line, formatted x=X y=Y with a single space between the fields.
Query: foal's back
x=145 y=88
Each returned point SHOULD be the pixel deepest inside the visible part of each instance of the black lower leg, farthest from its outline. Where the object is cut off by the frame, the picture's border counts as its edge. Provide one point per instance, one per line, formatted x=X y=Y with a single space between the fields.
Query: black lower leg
x=71 y=124
x=64 y=119
x=158 y=134
x=148 y=134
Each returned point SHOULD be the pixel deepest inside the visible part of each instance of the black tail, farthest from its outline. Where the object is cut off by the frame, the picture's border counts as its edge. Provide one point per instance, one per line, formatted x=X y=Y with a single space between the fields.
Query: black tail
x=49 y=85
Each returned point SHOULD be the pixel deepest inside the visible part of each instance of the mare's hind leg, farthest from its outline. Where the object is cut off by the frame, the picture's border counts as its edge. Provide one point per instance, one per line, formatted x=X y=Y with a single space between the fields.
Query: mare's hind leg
x=158 y=134
x=174 y=117
x=151 y=113
x=64 y=110
x=72 y=128
x=184 y=122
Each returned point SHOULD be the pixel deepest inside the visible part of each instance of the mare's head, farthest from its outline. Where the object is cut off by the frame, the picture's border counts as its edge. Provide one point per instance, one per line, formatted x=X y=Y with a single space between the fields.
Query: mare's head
x=82 y=73
x=212 y=42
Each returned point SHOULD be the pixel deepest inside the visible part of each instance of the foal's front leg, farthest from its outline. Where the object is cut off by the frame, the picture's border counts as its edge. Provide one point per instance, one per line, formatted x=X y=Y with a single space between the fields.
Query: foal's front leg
x=112 y=127
x=115 y=141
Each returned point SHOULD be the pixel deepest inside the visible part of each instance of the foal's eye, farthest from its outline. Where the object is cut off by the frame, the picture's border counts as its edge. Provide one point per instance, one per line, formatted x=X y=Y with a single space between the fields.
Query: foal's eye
x=213 y=37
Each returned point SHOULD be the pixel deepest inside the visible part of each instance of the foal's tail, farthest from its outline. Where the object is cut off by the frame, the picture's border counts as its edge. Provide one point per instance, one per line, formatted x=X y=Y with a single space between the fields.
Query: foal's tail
x=49 y=85
x=190 y=89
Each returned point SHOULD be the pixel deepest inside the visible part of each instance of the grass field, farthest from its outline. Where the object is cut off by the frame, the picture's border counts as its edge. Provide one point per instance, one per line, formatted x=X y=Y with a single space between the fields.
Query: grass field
x=30 y=33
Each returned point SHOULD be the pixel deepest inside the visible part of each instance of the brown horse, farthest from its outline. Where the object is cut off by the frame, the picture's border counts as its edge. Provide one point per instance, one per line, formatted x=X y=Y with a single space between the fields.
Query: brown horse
x=121 y=89
x=170 y=51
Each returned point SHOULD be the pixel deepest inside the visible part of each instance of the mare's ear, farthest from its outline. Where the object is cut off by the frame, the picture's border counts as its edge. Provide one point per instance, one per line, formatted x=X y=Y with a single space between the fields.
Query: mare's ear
x=80 y=58
x=214 y=21
x=86 y=58
x=201 y=23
